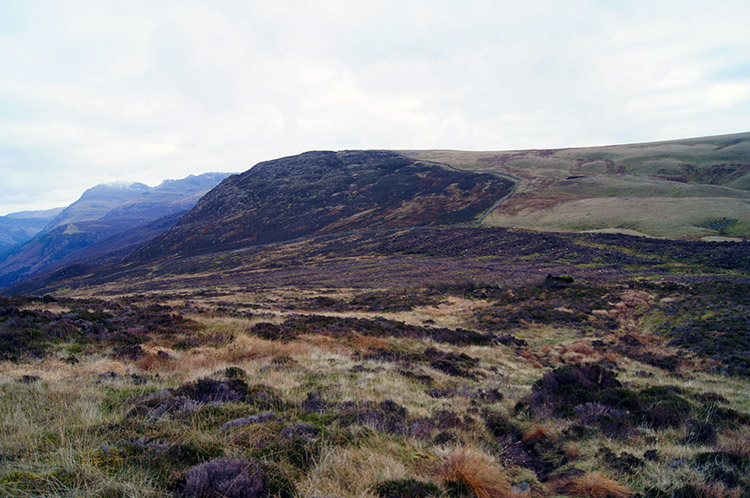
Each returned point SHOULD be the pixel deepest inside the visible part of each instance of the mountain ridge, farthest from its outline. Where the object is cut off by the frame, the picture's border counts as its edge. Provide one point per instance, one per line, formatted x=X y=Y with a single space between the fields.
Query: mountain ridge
x=101 y=213
x=323 y=192
x=17 y=228
x=96 y=201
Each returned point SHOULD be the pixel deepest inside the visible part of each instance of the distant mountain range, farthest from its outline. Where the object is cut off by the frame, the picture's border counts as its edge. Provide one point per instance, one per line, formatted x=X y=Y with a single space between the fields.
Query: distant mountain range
x=107 y=218
x=16 y=228
x=136 y=201
x=96 y=202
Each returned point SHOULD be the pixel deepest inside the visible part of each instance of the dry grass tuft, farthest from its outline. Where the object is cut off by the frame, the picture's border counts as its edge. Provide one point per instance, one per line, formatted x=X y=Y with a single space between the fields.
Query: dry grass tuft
x=715 y=490
x=594 y=485
x=362 y=342
x=152 y=362
x=477 y=471
x=537 y=434
x=352 y=472
x=736 y=442
x=242 y=350
x=572 y=451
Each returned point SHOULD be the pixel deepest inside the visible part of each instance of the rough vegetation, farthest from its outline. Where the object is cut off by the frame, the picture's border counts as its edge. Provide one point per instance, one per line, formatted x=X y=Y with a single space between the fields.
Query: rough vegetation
x=568 y=383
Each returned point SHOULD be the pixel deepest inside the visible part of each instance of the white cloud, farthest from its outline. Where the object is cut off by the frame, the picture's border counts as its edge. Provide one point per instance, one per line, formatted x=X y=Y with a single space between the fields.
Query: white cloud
x=102 y=90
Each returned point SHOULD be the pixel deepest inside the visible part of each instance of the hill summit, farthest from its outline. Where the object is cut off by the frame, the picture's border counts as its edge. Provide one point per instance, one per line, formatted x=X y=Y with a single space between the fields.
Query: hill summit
x=328 y=192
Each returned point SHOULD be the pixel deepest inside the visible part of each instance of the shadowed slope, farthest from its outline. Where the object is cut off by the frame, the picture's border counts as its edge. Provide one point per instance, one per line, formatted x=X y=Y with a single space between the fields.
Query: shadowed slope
x=17 y=228
x=106 y=219
x=327 y=192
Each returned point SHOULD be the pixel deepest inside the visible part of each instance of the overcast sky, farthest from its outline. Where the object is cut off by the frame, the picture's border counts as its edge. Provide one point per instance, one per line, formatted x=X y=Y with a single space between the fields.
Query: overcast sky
x=97 y=91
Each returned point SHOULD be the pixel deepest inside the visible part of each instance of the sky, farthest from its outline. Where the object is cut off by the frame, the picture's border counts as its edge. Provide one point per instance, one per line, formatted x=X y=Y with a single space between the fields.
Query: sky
x=143 y=90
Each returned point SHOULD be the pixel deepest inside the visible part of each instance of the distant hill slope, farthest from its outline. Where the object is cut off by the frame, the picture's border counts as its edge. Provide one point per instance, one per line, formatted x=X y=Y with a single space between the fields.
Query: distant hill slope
x=327 y=192
x=136 y=200
x=97 y=202
x=170 y=196
x=16 y=228
x=106 y=219
x=682 y=188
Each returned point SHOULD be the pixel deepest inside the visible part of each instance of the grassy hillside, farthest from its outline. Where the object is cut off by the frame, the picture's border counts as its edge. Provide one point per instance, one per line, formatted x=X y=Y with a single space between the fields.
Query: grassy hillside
x=684 y=188
x=461 y=362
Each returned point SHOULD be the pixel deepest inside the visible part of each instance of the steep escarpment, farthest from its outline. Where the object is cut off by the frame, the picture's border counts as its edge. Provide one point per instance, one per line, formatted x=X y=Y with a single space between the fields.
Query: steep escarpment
x=327 y=192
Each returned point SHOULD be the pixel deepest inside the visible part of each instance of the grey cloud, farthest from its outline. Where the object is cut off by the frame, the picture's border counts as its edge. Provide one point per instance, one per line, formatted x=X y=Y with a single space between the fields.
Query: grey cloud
x=103 y=90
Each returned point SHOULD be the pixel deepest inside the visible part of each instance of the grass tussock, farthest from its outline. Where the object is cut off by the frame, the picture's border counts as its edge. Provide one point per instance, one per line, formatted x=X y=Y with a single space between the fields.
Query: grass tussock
x=594 y=485
x=351 y=471
x=477 y=471
x=736 y=442
x=538 y=433
x=712 y=490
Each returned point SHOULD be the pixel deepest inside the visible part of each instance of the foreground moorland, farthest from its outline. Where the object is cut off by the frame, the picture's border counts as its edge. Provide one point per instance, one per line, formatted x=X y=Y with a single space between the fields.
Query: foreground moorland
x=425 y=362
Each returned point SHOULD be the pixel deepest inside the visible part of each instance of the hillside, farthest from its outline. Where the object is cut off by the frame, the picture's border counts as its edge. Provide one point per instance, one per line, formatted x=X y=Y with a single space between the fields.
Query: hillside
x=96 y=202
x=699 y=187
x=437 y=362
x=16 y=228
x=93 y=226
x=327 y=192
x=598 y=189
